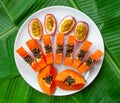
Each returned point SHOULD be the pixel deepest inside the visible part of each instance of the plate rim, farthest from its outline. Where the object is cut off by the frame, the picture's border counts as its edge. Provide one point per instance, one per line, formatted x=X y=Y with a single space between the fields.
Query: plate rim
x=63 y=7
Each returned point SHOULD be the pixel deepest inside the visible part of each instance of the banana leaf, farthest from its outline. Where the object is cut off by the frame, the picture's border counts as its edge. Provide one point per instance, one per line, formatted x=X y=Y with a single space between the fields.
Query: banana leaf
x=104 y=89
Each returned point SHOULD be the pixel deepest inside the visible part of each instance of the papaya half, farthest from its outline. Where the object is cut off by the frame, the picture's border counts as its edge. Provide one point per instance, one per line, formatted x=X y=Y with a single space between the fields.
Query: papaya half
x=46 y=79
x=69 y=80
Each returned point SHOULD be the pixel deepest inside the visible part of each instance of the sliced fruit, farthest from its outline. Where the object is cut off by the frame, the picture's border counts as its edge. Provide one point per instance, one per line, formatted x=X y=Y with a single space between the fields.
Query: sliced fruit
x=48 y=49
x=67 y=24
x=50 y=24
x=59 y=48
x=81 y=54
x=69 y=51
x=69 y=80
x=36 y=49
x=26 y=56
x=90 y=61
x=46 y=79
x=35 y=29
x=81 y=31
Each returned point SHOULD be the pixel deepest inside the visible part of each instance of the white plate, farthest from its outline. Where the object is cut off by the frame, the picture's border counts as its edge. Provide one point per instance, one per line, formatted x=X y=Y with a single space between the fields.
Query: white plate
x=59 y=12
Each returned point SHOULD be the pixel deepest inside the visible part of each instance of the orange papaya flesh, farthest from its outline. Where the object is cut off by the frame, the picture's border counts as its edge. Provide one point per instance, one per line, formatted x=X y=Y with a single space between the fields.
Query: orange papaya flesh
x=48 y=49
x=59 y=48
x=69 y=80
x=46 y=79
x=26 y=56
x=37 y=52
x=90 y=61
x=81 y=54
x=69 y=51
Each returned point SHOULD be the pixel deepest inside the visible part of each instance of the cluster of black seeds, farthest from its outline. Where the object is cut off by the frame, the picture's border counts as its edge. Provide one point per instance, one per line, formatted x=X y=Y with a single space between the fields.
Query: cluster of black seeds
x=48 y=79
x=69 y=80
x=59 y=48
x=28 y=59
x=90 y=61
x=69 y=50
x=48 y=48
x=81 y=54
x=37 y=53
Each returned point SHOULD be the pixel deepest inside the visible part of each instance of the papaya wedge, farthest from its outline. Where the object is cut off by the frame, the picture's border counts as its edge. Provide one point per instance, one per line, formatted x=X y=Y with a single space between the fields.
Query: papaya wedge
x=48 y=49
x=69 y=80
x=59 y=48
x=26 y=56
x=81 y=54
x=69 y=51
x=90 y=61
x=37 y=52
x=46 y=79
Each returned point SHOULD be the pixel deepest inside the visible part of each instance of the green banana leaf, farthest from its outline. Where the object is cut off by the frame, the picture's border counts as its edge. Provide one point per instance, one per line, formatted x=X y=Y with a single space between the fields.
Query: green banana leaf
x=104 y=89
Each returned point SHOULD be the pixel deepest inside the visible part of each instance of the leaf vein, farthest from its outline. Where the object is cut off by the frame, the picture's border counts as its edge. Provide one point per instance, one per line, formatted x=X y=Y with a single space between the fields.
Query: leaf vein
x=6 y=10
x=114 y=64
x=74 y=99
x=73 y=3
x=9 y=30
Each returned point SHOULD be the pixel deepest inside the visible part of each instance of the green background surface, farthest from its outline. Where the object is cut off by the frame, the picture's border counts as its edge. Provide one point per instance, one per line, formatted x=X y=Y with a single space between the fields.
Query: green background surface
x=104 y=89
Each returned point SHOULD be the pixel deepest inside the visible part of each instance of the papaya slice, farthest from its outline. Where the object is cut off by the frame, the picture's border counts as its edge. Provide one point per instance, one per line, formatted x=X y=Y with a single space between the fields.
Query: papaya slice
x=46 y=79
x=69 y=51
x=90 y=61
x=35 y=29
x=36 y=49
x=67 y=24
x=48 y=49
x=59 y=48
x=81 y=54
x=26 y=56
x=50 y=24
x=81 y=31
x=69 y=80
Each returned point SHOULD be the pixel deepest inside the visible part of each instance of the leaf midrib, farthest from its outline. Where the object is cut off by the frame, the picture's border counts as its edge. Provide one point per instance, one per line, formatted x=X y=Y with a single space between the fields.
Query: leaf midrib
x=73 y=3
x=112 y=61
x=74 y=99
x=8 y=31
x=6 y=10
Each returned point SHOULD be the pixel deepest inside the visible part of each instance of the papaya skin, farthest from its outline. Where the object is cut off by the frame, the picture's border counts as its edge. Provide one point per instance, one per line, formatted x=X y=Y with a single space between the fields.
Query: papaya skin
x=61 y=77
x=85 y=47
x=48 y=54
x=32 y=44
x=22 y=52
x=59 y=51
x=94 y=58
x=69 y=51
x=50 y=87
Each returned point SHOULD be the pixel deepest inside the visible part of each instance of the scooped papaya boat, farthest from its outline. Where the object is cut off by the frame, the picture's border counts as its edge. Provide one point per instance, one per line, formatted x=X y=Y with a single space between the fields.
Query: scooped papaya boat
x=69 y=51
x=69 y=80
x=46 y=79
x=28 y=59
x=90 y=61
x=36 y=49
x=48 y=49
x=59 y=48
x=81 y=54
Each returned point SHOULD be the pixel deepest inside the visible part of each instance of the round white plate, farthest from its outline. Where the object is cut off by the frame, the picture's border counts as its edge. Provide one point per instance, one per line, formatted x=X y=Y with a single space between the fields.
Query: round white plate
x=59 y=12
